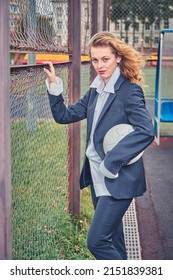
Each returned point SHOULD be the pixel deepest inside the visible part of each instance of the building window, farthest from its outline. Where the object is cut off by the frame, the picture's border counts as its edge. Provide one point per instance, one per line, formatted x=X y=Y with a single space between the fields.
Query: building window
x=59 y=39
x=14 y=8
x=147 y=26
x=117 y=26
x=126 y=28
x=86 y=12
x=13 y=23
x=59 y=24
x=136 y=40
x=86 y=25
x=166 y=24
x=59 y=11
x=157 y=26
x=136 y=26
x=147 y=40
x=156 y=40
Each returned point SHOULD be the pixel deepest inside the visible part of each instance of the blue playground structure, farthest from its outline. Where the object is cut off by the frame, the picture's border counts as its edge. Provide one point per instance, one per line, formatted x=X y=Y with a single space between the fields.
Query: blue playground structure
x=163 y=106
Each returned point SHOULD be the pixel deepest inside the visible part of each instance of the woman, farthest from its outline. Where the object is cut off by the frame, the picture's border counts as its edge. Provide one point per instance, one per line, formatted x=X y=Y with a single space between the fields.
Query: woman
x=115 y=97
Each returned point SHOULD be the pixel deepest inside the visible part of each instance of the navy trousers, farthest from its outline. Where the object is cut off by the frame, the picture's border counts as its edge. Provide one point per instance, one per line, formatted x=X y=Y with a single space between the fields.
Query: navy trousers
x=105 y=237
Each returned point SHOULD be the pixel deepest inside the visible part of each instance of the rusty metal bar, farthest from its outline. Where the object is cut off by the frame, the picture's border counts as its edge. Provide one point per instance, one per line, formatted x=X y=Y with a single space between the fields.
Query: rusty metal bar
x=74 y=95
x=105 y=15
x=94 y=15
x=108 y=22
x=5 y=162
x=94 y=29
x=27 y=66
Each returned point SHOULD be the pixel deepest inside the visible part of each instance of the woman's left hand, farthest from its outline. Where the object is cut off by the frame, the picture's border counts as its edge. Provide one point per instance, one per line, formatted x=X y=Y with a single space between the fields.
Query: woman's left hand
x=50 y=72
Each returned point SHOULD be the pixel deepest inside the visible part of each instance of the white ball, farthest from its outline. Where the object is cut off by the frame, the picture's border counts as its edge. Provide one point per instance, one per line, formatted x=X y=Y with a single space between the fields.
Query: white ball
x=115 y=135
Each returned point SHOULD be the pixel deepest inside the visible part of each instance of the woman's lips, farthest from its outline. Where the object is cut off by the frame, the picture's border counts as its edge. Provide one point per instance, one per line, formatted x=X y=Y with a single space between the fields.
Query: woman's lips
x=102 y=71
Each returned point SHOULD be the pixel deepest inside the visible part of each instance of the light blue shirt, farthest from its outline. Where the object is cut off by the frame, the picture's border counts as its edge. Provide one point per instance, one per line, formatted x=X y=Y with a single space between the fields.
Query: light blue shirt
x=98 y=170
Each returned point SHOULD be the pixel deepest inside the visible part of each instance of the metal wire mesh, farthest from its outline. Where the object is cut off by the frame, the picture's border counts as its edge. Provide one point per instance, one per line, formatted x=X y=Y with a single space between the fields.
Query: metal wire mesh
x=85 y=82
x=166 y=82
x=86 y=7
x=139 y=22
x=87 y=21
x=39 y=146
x=40 y=25
x=39 y=165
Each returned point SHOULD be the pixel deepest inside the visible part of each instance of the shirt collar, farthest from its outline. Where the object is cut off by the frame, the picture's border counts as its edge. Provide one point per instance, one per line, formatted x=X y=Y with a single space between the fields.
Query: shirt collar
x=100 y=86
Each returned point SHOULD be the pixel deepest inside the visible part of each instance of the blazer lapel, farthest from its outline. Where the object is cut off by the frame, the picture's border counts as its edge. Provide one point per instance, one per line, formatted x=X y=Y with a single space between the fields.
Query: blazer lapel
x=111 y=97
x=106 y=106
x=91 y=111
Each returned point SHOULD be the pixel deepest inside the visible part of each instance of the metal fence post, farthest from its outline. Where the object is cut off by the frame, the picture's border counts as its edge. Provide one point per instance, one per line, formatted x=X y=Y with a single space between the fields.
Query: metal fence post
x=74 y=94
x=94 y=17
x=5 y=164
x=31 y=94
x=105 y=15
x=94 y=29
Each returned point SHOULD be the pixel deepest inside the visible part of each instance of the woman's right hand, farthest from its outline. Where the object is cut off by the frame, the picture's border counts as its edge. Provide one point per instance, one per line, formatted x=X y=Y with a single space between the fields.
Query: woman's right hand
x=50 y=72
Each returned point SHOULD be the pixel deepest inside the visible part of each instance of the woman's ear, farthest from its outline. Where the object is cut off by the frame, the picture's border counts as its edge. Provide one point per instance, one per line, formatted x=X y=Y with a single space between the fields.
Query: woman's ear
x=118 y=59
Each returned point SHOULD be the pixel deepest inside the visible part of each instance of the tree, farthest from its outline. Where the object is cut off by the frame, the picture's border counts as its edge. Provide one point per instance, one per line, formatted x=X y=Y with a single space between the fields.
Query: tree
x=129 y=11
x=120 y=11
x=142 y=14
x=158 y=10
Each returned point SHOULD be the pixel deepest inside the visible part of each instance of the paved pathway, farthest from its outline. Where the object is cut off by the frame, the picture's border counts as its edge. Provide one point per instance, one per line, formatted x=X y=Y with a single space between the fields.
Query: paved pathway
x=155 y=208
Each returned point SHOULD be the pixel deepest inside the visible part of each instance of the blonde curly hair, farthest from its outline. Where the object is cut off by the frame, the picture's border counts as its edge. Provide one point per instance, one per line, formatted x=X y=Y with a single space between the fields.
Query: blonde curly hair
x=132 y=61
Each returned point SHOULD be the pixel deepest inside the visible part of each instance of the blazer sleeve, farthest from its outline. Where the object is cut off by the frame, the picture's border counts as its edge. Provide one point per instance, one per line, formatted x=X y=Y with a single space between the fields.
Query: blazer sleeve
x=142 y=136
x=68 y=114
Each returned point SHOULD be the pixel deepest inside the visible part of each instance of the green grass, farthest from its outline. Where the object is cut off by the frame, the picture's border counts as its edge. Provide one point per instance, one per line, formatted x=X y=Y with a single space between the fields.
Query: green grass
x=150 y=76
x=42 y=228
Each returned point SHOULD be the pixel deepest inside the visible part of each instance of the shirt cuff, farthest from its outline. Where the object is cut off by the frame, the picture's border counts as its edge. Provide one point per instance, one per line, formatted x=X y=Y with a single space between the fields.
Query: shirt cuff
x=53 y=88
x=106 y=172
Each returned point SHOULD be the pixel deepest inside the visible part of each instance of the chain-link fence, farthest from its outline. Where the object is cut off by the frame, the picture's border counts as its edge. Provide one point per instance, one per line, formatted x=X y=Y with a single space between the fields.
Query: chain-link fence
x=42 y=151
x=43 y=25
x=39 y=164
x=38 y=25
x=139 y=22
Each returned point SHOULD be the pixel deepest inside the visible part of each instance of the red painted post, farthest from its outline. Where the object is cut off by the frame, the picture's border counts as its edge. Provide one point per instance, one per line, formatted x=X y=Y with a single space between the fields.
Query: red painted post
x=5 y=163
x=74 y=94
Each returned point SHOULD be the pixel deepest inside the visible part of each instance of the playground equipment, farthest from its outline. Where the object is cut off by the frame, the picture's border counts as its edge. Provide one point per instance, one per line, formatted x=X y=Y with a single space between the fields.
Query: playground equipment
x=163 y=106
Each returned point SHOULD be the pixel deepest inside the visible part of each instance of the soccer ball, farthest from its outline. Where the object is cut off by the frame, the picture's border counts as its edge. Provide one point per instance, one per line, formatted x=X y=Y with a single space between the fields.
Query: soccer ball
x=115 y=135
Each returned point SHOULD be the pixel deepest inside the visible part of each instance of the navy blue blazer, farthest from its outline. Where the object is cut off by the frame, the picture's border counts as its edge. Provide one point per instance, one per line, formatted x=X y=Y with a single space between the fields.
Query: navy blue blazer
x=126 y=105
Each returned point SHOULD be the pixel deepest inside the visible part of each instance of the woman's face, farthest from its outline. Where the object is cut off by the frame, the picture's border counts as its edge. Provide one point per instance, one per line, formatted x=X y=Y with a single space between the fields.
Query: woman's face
x=104 y=61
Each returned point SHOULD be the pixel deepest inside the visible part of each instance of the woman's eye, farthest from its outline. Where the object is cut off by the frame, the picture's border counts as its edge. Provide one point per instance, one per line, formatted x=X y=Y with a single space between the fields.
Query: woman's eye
x=94 y=60
x=105 y=59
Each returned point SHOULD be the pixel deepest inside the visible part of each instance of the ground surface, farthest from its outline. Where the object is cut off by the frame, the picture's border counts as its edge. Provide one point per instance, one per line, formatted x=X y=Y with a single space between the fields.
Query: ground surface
x=155 y=208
